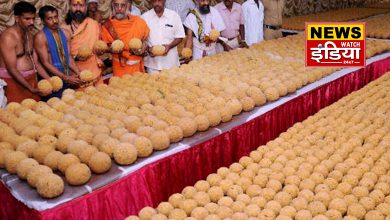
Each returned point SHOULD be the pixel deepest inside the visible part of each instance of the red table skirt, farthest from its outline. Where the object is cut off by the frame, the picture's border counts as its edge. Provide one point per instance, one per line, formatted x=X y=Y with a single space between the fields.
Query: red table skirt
x=155 y=182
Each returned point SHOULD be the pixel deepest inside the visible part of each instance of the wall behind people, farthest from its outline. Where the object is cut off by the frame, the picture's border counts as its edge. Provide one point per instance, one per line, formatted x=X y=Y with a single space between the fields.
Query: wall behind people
x=6 y=6
x=302 y=7
x=6 y=10
x=293 y=7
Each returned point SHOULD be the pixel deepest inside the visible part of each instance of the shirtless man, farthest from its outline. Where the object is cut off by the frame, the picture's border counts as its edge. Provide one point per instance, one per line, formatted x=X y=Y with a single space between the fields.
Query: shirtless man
x=52 y=46
x=273 y=12
x=18 y=62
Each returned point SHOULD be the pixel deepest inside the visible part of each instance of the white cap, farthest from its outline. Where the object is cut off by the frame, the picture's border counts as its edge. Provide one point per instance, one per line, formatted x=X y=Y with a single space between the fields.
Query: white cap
x=91 y=1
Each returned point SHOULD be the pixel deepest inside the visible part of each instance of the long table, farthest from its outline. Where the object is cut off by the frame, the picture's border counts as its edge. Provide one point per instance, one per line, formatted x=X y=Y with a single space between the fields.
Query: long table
x=127 y=189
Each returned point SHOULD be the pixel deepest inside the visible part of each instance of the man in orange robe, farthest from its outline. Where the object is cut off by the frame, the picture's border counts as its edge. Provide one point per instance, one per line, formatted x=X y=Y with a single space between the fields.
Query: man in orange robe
x=124 y=27
x=84 y=33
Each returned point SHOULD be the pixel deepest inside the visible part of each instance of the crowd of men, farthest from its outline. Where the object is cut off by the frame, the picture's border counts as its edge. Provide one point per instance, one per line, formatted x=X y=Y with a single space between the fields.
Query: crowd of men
x=54 y=51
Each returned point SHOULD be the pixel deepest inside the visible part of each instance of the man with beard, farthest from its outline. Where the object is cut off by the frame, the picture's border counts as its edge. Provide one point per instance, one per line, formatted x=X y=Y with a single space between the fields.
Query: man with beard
x=52 y=46
x=231 y=13
x=165 y=29
x=199 y=24
x=124 y=26
x=273 y=13
x=93 y=11
x=84 y=32
x=18 y=62
x=253 y=11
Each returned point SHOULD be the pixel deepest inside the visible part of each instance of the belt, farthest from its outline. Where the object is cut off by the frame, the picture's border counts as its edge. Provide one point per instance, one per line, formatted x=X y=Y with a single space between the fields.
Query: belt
x=272 y=27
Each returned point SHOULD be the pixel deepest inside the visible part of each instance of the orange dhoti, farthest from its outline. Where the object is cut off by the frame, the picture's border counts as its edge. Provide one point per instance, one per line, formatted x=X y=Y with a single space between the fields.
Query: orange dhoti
x=126 y=29
x=14 y=91
x=126 y=65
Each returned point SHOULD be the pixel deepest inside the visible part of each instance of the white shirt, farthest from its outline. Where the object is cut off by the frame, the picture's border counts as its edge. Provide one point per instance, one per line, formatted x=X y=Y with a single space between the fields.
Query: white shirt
x=212 y=20
x=134 y=10
x=254 y=18
x=163 y=30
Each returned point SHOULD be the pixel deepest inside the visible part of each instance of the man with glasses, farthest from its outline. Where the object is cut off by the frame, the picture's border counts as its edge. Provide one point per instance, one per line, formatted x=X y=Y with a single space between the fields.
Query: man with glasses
x=124 y=26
